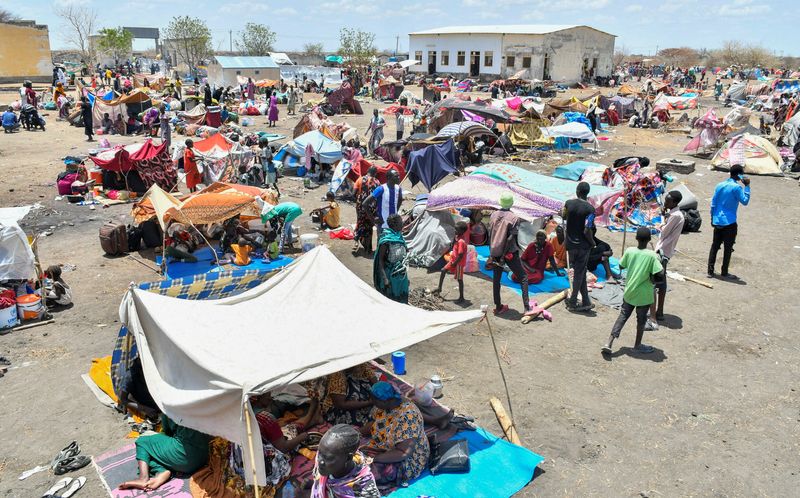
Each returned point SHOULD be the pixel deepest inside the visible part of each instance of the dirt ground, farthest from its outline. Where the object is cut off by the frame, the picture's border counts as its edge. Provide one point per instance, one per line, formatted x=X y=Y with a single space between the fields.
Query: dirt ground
x=713 y=412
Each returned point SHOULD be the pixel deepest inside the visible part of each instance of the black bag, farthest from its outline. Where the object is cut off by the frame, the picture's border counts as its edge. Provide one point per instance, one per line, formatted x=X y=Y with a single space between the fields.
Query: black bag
x=134 y=238
x=151 y=233
x=692 y=220
x=450 y=457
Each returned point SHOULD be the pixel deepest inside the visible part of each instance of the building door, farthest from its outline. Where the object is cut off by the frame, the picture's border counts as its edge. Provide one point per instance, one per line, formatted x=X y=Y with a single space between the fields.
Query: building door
x=546 y=67
x=474 y=63
x=432 y=62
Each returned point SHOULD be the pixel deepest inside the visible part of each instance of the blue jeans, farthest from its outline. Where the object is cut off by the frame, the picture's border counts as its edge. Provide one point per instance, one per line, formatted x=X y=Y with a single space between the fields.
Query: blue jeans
x=286 y=236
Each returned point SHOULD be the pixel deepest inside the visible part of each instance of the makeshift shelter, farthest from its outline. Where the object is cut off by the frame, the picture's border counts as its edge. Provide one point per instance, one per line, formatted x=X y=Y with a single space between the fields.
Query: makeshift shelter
x=137 y=167
x=463 y=129
x=359 y=168
x=315 y=144
x=575 y=130
x=317 y=120
x=343 y=99
x=131 y=104
x=432 y=164
x=627 y=90
x=786 y=85
x=790 y=132
x=430 y=235
x=204 y=383
x=450 y=110
x=665 y=102
x=710 y=127
x=17 y=261
x=221 y=157
x=756 y=154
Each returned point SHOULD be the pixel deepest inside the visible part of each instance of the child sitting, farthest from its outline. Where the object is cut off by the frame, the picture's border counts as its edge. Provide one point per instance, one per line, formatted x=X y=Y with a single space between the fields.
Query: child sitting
x=328 y=215
x=241 y=250
x=58 y=292
x=106 y=124
x=456 y=261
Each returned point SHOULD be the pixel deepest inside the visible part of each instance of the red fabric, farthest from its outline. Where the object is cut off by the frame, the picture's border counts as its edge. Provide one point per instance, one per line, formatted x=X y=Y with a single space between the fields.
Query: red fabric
x=457 y=268
x=269 y=428
x=252 y=111
x=193 y=176
x=119 y=159
x=360 y=168
x=342 y=234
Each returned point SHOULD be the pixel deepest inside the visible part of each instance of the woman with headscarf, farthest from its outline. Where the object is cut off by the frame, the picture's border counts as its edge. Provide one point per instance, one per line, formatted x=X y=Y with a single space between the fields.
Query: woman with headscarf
x=60 y=98
x=365 y=218
x=291 y=101
x=193 y=176
x=86 y=113
x=207 y=95
x=389 y=272
x=273 y=109
x=397 y=437
x=345 y=397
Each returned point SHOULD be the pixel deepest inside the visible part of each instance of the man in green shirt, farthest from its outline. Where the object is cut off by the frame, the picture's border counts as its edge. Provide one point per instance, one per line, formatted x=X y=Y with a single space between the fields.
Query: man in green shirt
x=642 y=265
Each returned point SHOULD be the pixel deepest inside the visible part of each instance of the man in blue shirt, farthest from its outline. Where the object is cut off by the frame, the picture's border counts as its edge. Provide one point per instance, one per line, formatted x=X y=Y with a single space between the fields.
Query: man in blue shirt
x=386 y=199
x=10 y=121
x=727 y=197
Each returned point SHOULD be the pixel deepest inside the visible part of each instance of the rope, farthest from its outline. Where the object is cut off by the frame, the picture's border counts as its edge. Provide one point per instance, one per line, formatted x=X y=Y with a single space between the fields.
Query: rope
x=500 y=367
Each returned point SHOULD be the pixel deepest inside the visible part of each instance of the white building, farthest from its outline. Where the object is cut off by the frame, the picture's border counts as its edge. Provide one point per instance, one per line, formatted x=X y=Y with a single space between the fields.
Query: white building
x=227 y=70
x=566 y=53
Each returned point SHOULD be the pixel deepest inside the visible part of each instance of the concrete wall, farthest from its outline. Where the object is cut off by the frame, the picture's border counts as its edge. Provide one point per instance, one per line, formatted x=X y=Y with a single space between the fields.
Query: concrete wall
x=453 y=44
x=228 y=77
x=565 y=52
x=24 y=53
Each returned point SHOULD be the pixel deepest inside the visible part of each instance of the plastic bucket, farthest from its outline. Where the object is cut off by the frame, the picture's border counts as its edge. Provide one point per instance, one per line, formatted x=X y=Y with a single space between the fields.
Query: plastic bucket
x=96 y=175
x=399 y=362
x=8 y=317
x=309 y=241
x=29 y=307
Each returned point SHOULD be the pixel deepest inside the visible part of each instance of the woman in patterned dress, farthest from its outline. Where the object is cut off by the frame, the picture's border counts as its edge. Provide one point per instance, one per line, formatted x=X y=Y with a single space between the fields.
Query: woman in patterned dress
x=365 y=218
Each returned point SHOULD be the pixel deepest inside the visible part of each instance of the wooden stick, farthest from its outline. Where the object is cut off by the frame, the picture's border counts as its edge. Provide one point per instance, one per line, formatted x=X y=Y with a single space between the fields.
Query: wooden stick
x=256 y=487
x=704 y=284
x=32 y=325
x=551 y=301
x=505 y=422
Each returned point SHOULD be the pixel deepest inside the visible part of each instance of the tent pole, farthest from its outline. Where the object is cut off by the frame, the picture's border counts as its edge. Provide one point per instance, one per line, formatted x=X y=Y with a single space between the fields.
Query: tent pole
x=624 y=219
x=256 y=487
x=513 y=429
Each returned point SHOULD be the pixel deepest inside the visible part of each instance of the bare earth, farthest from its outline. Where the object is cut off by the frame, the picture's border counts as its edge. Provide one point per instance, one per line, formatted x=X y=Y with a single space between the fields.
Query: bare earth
x=714 y=412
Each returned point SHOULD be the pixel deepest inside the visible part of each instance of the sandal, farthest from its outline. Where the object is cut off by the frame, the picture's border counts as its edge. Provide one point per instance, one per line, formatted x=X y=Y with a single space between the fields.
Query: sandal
x=73 y=488
x=71 y=450
x=501 y=310
x=57 y=487
x=71 y=464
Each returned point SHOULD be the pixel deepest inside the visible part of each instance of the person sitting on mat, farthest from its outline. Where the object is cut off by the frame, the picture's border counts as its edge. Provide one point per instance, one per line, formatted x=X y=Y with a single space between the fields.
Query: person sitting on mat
x=241 y=251
x=559 y=248
x=535 y=257
x=177 y=449
x=328 y=214
x=135 y=395
x=456 y=261
x=397 y=437
x=600 y=255
x=179 y=243
x=271 y=431
x=341 y=471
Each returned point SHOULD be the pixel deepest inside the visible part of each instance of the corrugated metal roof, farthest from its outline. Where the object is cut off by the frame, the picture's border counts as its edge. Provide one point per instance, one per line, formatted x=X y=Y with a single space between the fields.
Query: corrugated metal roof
x=243 y=62
x=502 y=29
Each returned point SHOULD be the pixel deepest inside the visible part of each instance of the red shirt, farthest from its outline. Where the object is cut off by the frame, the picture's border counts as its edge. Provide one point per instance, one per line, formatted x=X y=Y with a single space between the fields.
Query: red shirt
x=268 y=426
x=537 y=260
x=459 y=249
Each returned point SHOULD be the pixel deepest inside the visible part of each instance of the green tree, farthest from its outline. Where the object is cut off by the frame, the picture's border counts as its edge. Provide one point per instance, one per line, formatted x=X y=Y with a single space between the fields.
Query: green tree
x=190 y=38
x=117 y=42
x=313 y=49
x=357 y=47
x=256 y=39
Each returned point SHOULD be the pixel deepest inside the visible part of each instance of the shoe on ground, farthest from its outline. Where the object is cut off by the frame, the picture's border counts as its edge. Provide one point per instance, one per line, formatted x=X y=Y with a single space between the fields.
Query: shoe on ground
x=606 y=350
x=499 y=311
x=585 y=307
x=729 y=276
x=651 y=326
x=644 y=349
x=711 y=274
x=660 y=318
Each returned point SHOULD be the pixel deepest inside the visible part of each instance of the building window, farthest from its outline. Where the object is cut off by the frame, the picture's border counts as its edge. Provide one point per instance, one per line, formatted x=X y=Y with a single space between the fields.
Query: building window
x=418 y=55
x=462 y=58
x=257 y=71
x=488 y=59
x=446 y=58
x=510 y=61
x=238 y=73
x=526 y=63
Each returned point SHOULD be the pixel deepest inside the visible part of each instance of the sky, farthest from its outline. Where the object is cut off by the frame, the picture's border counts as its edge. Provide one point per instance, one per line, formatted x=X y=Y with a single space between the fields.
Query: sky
x=642 y=26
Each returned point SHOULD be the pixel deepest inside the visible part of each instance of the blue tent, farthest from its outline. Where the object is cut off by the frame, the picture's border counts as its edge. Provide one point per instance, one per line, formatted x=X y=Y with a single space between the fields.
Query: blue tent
x=326 y=151
x=431 y=164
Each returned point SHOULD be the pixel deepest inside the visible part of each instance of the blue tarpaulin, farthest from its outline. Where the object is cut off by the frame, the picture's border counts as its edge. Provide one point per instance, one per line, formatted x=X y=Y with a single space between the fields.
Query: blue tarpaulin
x=431 y=164
x=574 y=170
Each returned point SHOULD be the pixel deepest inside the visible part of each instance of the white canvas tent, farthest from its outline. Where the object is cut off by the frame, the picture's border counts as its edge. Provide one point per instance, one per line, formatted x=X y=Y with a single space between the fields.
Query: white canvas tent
x=17 y=261
x=202 y=359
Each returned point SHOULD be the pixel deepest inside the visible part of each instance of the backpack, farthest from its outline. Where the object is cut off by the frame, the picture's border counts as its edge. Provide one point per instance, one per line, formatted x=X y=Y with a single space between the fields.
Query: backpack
x=134 y=238
x=692 y=220
x=114 y=238
x=151 y=233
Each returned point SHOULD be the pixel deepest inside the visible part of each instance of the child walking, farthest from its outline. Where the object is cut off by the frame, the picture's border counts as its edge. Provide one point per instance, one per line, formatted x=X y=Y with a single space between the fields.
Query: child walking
x=456 y=261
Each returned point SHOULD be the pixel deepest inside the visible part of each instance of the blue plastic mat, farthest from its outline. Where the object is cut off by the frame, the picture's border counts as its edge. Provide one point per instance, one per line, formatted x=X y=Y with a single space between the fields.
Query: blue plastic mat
x=551 y=283
x=573 y=170
x=498 y=469
x=207 y=263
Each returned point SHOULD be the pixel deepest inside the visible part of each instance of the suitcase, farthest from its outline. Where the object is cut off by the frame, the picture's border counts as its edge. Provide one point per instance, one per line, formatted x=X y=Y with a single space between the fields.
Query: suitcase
x=114 y=238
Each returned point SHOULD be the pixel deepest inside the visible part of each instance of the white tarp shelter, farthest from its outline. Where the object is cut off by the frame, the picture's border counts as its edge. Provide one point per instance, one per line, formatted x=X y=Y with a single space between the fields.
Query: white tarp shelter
x=17 y=261
x=202 y=359
x=570 y=130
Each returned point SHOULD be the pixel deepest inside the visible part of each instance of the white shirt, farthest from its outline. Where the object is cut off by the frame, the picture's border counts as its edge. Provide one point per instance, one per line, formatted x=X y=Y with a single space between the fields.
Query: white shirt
x=670 y=232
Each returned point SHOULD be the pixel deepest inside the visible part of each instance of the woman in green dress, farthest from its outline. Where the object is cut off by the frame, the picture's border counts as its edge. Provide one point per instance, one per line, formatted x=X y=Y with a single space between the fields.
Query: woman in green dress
x=389 y=272
x=177 y=449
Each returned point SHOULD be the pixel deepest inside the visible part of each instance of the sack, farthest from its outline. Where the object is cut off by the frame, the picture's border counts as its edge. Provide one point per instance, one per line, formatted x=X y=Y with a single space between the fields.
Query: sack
x=114 y=238
x=134 y=238
x=64 y=182
x=692 y=220
x=450 y=457
x=151 y=233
